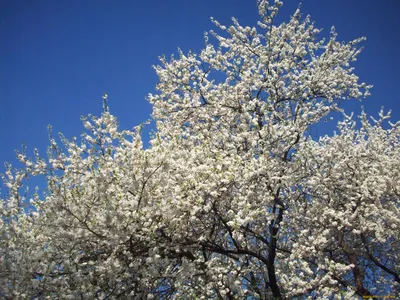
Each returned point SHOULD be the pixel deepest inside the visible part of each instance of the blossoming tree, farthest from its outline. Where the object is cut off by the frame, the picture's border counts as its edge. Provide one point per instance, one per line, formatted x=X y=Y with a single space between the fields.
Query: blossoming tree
x=233 y=199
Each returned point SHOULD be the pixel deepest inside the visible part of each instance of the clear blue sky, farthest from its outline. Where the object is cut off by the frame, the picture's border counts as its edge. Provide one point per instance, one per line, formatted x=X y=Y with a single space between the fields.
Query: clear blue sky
x=57 y=58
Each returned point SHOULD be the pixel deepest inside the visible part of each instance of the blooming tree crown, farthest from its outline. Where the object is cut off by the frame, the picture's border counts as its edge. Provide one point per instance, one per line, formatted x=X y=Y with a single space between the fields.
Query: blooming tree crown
x=233 y=199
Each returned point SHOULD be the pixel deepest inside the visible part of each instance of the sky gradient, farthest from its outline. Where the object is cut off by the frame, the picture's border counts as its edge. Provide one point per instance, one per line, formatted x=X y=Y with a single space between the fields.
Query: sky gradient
x=57 y=58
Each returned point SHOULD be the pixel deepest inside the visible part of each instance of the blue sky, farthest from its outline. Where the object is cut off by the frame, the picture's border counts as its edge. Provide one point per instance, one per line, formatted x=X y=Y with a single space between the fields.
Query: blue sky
x=57 y=58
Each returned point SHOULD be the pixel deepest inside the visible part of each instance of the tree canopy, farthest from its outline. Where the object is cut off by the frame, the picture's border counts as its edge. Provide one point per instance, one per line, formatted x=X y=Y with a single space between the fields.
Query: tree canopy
x=234 y=199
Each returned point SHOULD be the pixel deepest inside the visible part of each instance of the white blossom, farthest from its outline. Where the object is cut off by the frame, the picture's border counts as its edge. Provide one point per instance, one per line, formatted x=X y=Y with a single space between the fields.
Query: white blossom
x=233 y=199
